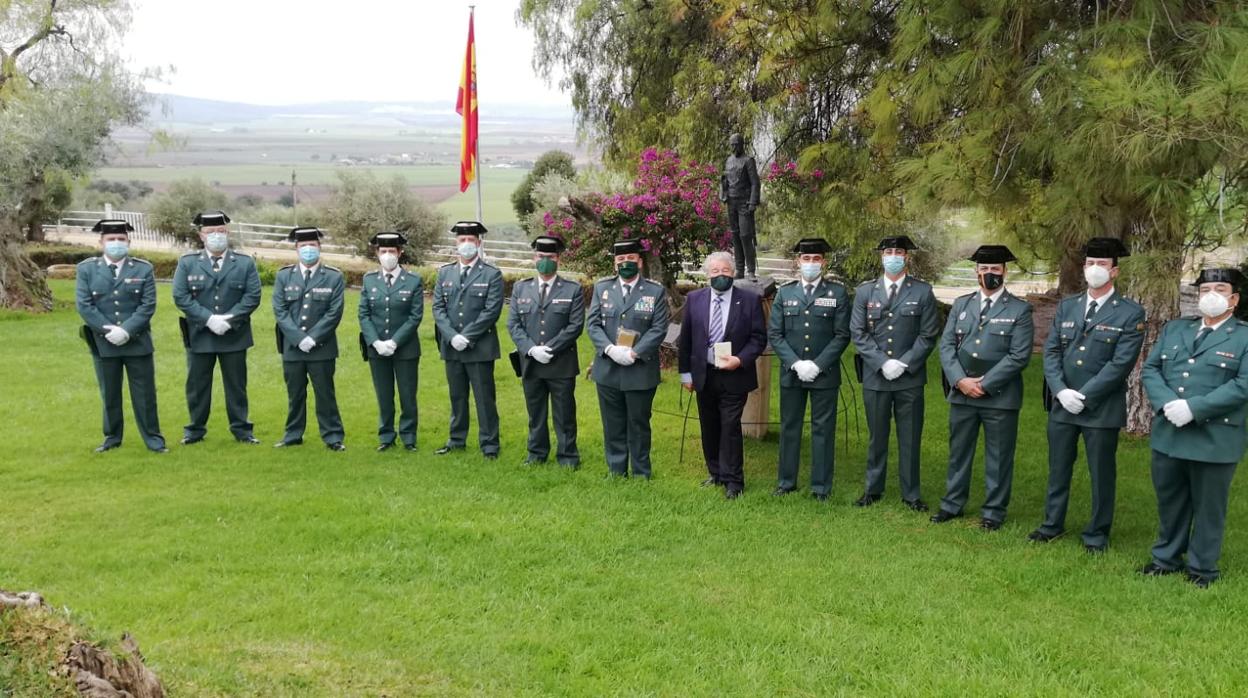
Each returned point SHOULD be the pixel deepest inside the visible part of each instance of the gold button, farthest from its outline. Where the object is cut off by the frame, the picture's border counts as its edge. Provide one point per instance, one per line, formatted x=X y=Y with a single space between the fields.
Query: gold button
x=808 y=312
x=890 y=327
x=889 y=352
x=1191 y=361
x=1079 y=362
x=1083 y=348
x=808 y=324
x=303 y=317
x=305 y=305
x=1185 y=374
x=807 y=337
x=1163 y=357
x=890 y=340
x=805 y=348
x=543 y=332
x=1180 y=389
x=1223 y=365
x=890 y=315
x=974 y=355
x=977 y=341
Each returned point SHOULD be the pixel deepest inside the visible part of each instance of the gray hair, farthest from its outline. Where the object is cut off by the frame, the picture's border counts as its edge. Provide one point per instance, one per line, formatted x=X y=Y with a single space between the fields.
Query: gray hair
x=721 y=256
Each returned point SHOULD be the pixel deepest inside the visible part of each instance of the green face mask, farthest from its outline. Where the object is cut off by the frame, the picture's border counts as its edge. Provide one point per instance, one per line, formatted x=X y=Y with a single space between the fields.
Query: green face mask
x=721 y=283
x=546 y=266
x=627 y=270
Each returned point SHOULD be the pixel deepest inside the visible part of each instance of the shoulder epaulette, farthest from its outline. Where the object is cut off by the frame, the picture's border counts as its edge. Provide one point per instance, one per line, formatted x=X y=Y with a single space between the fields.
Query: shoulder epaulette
x=192 y=253
x=789 y=282
x=371 y=273
x=868 y=282
x=333 y=269
x=89 y=260
x=448 y=264
x=140 y=260
x=605 y=278
x=288 y=266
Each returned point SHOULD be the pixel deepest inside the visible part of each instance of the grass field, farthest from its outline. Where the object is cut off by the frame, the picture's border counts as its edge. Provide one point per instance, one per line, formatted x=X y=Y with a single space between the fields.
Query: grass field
x=245 y=571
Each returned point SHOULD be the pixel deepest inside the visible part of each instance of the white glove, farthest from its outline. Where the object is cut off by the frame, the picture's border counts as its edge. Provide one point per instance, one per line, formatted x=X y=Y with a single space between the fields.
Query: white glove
x=1072 y=400
x=892 y=369
x=307 y=344
x=382 y=348
x=621 y=355
x=542 y=354
x=459 y=342
x=806 y=370
x=116 y=336
x=1178 y=412
x=219 y=324
x=391 y=347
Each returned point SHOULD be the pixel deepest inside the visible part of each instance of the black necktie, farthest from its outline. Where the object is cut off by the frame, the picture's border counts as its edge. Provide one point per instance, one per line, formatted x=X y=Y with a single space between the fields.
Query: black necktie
x=892 y=294
x=216 y=264
x=983 y=312
x=1200 y=336
x=628 y=288
x=545 y=288
x=389 y=280
x=1091 y=311
x=307 y=277
x=113 y=268
x=810 y=288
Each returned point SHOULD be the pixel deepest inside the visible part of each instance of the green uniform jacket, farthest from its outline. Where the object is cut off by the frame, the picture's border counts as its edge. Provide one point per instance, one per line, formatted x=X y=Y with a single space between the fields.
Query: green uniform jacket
x=1093 y=358
x=998 y=350
x=905 y=331
x=129 y=301
x=392 y=312
x=555 y=324
x=1214 y=381
x=200 y=293
x=810 y=330
x=645 y=311
x=469 y=307
x=314 y=311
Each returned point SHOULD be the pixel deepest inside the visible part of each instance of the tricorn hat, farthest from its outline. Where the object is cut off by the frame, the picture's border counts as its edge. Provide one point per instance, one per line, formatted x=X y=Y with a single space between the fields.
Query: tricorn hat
x=992 y=254
x=1225 y=275
x=548 y=243
x=388 y=239
x=305 y=234
x=111 y=226
x=208 y=219
x=900 y=242
x=1105 y=248
x=468 y=228
x=811 y=246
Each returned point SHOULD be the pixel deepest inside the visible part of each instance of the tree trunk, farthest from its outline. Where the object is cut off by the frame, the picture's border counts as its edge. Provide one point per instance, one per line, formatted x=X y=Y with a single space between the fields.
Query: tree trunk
x=23 y=286
x=1155 y=280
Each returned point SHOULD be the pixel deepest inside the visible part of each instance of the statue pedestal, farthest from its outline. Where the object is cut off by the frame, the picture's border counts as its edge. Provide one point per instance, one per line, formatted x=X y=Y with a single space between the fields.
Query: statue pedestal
x=755 y=418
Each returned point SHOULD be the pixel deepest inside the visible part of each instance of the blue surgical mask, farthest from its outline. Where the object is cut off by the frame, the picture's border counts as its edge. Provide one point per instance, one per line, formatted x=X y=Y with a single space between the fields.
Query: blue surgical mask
x=116 y=249
x=309 y=255
x=467 y=250
x=216 y=242
x=893 y=264
x=811 y=271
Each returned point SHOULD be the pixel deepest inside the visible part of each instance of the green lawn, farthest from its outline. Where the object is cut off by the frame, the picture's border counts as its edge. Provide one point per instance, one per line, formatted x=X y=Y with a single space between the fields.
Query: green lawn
x=246 y=571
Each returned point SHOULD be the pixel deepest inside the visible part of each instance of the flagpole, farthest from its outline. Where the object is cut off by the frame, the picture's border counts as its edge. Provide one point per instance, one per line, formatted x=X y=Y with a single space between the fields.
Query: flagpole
x=472 y=10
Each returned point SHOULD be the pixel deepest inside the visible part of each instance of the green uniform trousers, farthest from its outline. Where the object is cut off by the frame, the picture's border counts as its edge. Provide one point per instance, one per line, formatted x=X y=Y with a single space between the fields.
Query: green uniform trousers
x=479 y=377
x=822 y=436
x=321 y=374
x=626 y=429
x=1101 y=446
x=1000 y=437
x=199 y=370
x=389 y=372
x=1191 y=505
x=882 y=407
x=553 y=396
x=140 y=372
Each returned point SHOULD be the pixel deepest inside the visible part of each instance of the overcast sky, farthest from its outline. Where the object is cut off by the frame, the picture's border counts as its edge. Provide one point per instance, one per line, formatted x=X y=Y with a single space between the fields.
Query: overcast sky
x=293 y=51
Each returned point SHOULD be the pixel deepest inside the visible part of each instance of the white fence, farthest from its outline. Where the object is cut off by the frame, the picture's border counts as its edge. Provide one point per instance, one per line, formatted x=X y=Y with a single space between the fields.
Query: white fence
x=245 y=235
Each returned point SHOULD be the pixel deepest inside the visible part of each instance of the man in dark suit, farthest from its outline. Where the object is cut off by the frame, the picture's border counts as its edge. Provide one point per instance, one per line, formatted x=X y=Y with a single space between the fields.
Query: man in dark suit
x=217 y=289
x=546 y=317
x=722 y=376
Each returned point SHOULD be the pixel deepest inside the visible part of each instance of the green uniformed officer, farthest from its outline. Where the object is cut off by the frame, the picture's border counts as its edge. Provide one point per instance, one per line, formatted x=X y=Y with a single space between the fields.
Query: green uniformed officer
x=392 y=304
x=894 y=326
x=1196 y=377
x=984 y=349
x=627 y=322
x=217 y=290
x=1088 y=355
x=116 y=297
x=467 y=300
x=809 y=330
x=547 y=315
x=307 y=303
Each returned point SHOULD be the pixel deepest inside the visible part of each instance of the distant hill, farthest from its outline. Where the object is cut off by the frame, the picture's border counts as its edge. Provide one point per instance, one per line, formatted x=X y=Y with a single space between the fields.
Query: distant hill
x=167 y=108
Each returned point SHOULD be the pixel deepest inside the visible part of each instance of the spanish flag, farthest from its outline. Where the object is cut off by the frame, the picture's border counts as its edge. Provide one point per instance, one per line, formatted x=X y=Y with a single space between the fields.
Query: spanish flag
x=466 y=106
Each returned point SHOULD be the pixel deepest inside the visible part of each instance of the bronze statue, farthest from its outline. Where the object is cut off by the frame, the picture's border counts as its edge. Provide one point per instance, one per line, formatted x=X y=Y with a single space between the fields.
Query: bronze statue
x=739 y=189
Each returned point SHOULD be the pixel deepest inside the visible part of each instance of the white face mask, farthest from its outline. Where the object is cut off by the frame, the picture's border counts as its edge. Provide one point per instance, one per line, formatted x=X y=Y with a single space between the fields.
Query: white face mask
x=1213 y=304
x=216 y=242
x=1096 y=276
x=388 y=261
x=467 y=250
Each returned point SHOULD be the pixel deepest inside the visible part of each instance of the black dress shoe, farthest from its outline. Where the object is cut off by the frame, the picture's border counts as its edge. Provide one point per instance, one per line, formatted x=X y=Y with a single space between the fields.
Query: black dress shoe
x=447 y=449
x=292 y=442
x=819 y=496
x=781 y=491
x=106 y=447
x=732 y=493
x=249 y=440
x=1094 y=549
x=385 y=447
x=1199 y=581
x=1153 y=569
x=915 y=504
x=989 y=524
x=162 y=449
x=941 y=516
x=336 y=446
x=867 y=500
x=188 y=440
x=1038 y=536
x=711 y=482
x=490 y=456
x=534 y=461
x=409 y=447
